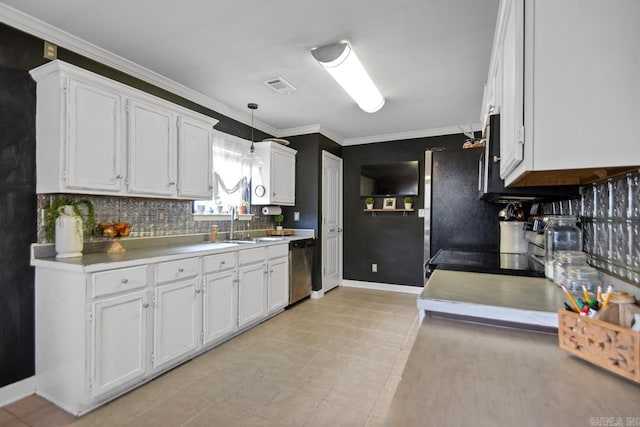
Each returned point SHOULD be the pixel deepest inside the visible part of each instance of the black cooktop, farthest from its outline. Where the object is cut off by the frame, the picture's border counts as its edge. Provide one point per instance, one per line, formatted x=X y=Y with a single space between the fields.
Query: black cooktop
x=484 y=262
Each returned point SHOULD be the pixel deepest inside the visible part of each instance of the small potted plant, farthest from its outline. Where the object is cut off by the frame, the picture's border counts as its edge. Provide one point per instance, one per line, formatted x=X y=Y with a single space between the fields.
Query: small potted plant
x=279 y=219
x=408 y=202
x=218 y=206
x=242 y=208
x=369 y=202
x=64 y=224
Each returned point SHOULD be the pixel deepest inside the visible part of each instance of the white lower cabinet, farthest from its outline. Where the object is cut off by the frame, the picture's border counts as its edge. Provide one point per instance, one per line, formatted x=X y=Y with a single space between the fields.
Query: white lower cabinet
x=101 y=333
x=219 y=306
x=278 y=280
x=118 y=348
x=176 y=326
x=252 y=293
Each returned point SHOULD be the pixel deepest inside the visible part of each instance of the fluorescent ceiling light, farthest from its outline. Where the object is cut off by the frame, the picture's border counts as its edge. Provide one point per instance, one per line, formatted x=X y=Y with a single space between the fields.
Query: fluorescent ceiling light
x=344 y=66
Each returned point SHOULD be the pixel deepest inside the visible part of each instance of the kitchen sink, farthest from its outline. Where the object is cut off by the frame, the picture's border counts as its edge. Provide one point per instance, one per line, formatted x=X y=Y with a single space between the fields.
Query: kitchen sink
x=242 y=242
x=255 y=240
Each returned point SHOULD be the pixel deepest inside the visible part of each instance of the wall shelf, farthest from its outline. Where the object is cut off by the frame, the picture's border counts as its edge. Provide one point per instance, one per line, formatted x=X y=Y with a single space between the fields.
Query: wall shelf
x=405 y=212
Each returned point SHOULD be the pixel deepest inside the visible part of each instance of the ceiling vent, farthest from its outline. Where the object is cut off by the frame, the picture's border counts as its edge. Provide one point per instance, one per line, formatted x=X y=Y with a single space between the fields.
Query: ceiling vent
x=280 y=85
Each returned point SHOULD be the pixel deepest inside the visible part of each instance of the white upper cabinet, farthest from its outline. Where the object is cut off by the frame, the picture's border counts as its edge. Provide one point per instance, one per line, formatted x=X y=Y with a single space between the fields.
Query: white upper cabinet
x=274 y=181
x=569 y=90
x=94 y=134
x=195 y=158
x=95 y=137
x=152 y=149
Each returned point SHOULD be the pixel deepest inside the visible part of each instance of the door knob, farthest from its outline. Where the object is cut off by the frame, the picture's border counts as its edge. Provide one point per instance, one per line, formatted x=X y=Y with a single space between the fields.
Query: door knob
x=339 y=230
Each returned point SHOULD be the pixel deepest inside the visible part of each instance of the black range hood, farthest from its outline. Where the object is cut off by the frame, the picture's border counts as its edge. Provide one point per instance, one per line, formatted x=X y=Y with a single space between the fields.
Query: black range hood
x=491 y=187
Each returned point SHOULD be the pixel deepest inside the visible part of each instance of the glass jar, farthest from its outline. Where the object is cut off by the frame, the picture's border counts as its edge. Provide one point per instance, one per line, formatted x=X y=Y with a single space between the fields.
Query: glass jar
x=565 y=259
x=582 y=275
x=560 y=234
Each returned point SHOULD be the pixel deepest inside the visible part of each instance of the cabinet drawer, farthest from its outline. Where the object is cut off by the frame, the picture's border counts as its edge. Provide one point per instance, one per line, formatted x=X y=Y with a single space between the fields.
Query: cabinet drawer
x=219 y=262
x=176 y=270
x=111 y=282
x=250 y=256
x=277 y=251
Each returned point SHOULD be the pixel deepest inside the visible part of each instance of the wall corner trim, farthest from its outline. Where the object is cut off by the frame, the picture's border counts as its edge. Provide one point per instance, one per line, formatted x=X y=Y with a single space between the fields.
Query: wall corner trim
x=18 y=390
x=382 y=286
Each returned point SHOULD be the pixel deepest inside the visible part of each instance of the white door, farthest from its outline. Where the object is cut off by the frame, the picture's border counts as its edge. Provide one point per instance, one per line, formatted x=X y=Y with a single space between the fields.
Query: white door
x=119 y=341
x=195 y=161
x=278 y=284
x=94 y=138
x=176 y=321
x=331 y=221
x=220 y=306
x=252 y=293
x=152 y=149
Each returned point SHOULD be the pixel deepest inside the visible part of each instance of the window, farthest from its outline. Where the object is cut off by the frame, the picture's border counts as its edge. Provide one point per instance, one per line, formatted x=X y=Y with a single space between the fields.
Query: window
x=232 y=165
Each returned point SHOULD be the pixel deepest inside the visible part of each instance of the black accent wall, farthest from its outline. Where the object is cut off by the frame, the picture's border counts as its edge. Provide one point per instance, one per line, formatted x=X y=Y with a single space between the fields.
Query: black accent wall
x=309 y=191
x=17 y=223
x=20 y=52
x=396 y=242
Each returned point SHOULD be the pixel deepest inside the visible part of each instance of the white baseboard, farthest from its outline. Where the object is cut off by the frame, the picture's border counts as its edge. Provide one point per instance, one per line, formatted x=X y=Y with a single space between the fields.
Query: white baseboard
x=382 y=286
x=18 y=390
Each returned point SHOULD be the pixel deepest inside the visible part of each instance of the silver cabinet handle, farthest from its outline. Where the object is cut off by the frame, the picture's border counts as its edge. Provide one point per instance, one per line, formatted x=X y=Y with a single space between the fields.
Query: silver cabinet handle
x=181 y=270
x=197 y=291
x=332 y=230
x=222 y=262
x=339 y=230
x=118 y=176
x=145 y=305
x=124 y=281
x=172 y=183
x=496 y=159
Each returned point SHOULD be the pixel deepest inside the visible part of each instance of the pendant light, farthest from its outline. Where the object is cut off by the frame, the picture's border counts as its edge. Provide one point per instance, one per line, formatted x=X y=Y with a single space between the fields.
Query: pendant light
x=252 y=106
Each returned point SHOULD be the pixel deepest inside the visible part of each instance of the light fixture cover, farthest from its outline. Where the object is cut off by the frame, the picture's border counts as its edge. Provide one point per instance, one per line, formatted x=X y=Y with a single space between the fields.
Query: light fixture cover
x=344 y=66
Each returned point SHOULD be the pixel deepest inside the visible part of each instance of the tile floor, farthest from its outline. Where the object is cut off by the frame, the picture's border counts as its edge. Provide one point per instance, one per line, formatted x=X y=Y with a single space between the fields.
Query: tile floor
x=335 y=361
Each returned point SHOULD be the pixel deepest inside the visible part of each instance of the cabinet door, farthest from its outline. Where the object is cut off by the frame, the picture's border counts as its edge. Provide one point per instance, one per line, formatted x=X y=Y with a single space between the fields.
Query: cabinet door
x=195 y=161
x=176 y=321
x=278 y=284
x=94 y=142
x=220 y=306
x=252 y=294
x=283 y=178
x=119 y=337
x=511 y=115
x=152 y=149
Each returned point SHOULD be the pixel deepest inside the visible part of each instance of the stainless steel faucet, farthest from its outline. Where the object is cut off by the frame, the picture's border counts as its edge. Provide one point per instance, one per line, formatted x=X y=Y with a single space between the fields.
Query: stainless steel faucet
x=234 y=216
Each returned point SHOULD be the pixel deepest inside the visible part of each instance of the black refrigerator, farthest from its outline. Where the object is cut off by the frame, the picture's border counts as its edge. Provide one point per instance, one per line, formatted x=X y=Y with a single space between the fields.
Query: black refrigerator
x=454 y=216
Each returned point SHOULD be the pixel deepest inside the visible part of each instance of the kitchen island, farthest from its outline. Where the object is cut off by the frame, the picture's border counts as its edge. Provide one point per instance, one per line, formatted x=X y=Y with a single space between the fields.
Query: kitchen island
x=467 y=374
x=462 y=372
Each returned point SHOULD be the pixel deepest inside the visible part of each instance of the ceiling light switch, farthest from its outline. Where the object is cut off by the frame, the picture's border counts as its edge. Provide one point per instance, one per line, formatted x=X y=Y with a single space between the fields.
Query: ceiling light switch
x=296 y=216
x=50 y=50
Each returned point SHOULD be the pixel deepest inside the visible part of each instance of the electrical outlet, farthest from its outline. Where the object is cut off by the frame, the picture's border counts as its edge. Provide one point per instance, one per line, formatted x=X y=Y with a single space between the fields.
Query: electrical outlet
x=50 y=50
x=159 y=214
x=374 y=268
x=296 y=216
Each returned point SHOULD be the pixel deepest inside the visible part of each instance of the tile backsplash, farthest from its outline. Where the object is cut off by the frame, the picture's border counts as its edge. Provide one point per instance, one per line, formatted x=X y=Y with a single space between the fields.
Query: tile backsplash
x=610 y=217
x=154 y=217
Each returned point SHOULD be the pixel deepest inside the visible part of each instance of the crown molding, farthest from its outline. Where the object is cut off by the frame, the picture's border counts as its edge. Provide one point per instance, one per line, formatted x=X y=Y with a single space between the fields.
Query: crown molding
x=423 y=133
x=305 y=130
x=38 y=28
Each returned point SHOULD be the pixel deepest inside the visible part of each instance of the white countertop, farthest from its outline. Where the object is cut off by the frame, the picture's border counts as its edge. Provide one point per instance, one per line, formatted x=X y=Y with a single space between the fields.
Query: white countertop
x=517 y=299
x=145 y=251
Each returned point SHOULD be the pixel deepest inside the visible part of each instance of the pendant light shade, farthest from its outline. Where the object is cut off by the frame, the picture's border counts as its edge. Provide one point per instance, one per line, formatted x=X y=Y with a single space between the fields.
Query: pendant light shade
x=343 y=65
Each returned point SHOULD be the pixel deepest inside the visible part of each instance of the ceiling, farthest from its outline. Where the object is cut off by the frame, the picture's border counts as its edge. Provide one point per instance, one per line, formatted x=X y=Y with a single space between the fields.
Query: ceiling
x=429 y=58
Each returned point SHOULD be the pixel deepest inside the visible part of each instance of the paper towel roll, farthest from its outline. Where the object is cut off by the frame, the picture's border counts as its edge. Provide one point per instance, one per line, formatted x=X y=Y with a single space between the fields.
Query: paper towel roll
x=271 y=210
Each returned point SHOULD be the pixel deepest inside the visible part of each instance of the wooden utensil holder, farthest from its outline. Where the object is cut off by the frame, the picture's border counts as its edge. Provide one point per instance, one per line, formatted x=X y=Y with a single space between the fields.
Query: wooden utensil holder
x=612 y=347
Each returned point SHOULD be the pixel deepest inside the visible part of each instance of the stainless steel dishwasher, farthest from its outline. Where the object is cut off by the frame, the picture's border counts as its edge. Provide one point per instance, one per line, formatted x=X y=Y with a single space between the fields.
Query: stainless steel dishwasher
x=300 y=268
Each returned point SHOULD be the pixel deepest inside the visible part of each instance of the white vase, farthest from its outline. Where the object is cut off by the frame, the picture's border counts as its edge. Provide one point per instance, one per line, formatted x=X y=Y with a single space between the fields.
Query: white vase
x=408 y=205
x=370 y=206
x=279 y=227
x=69 y=241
